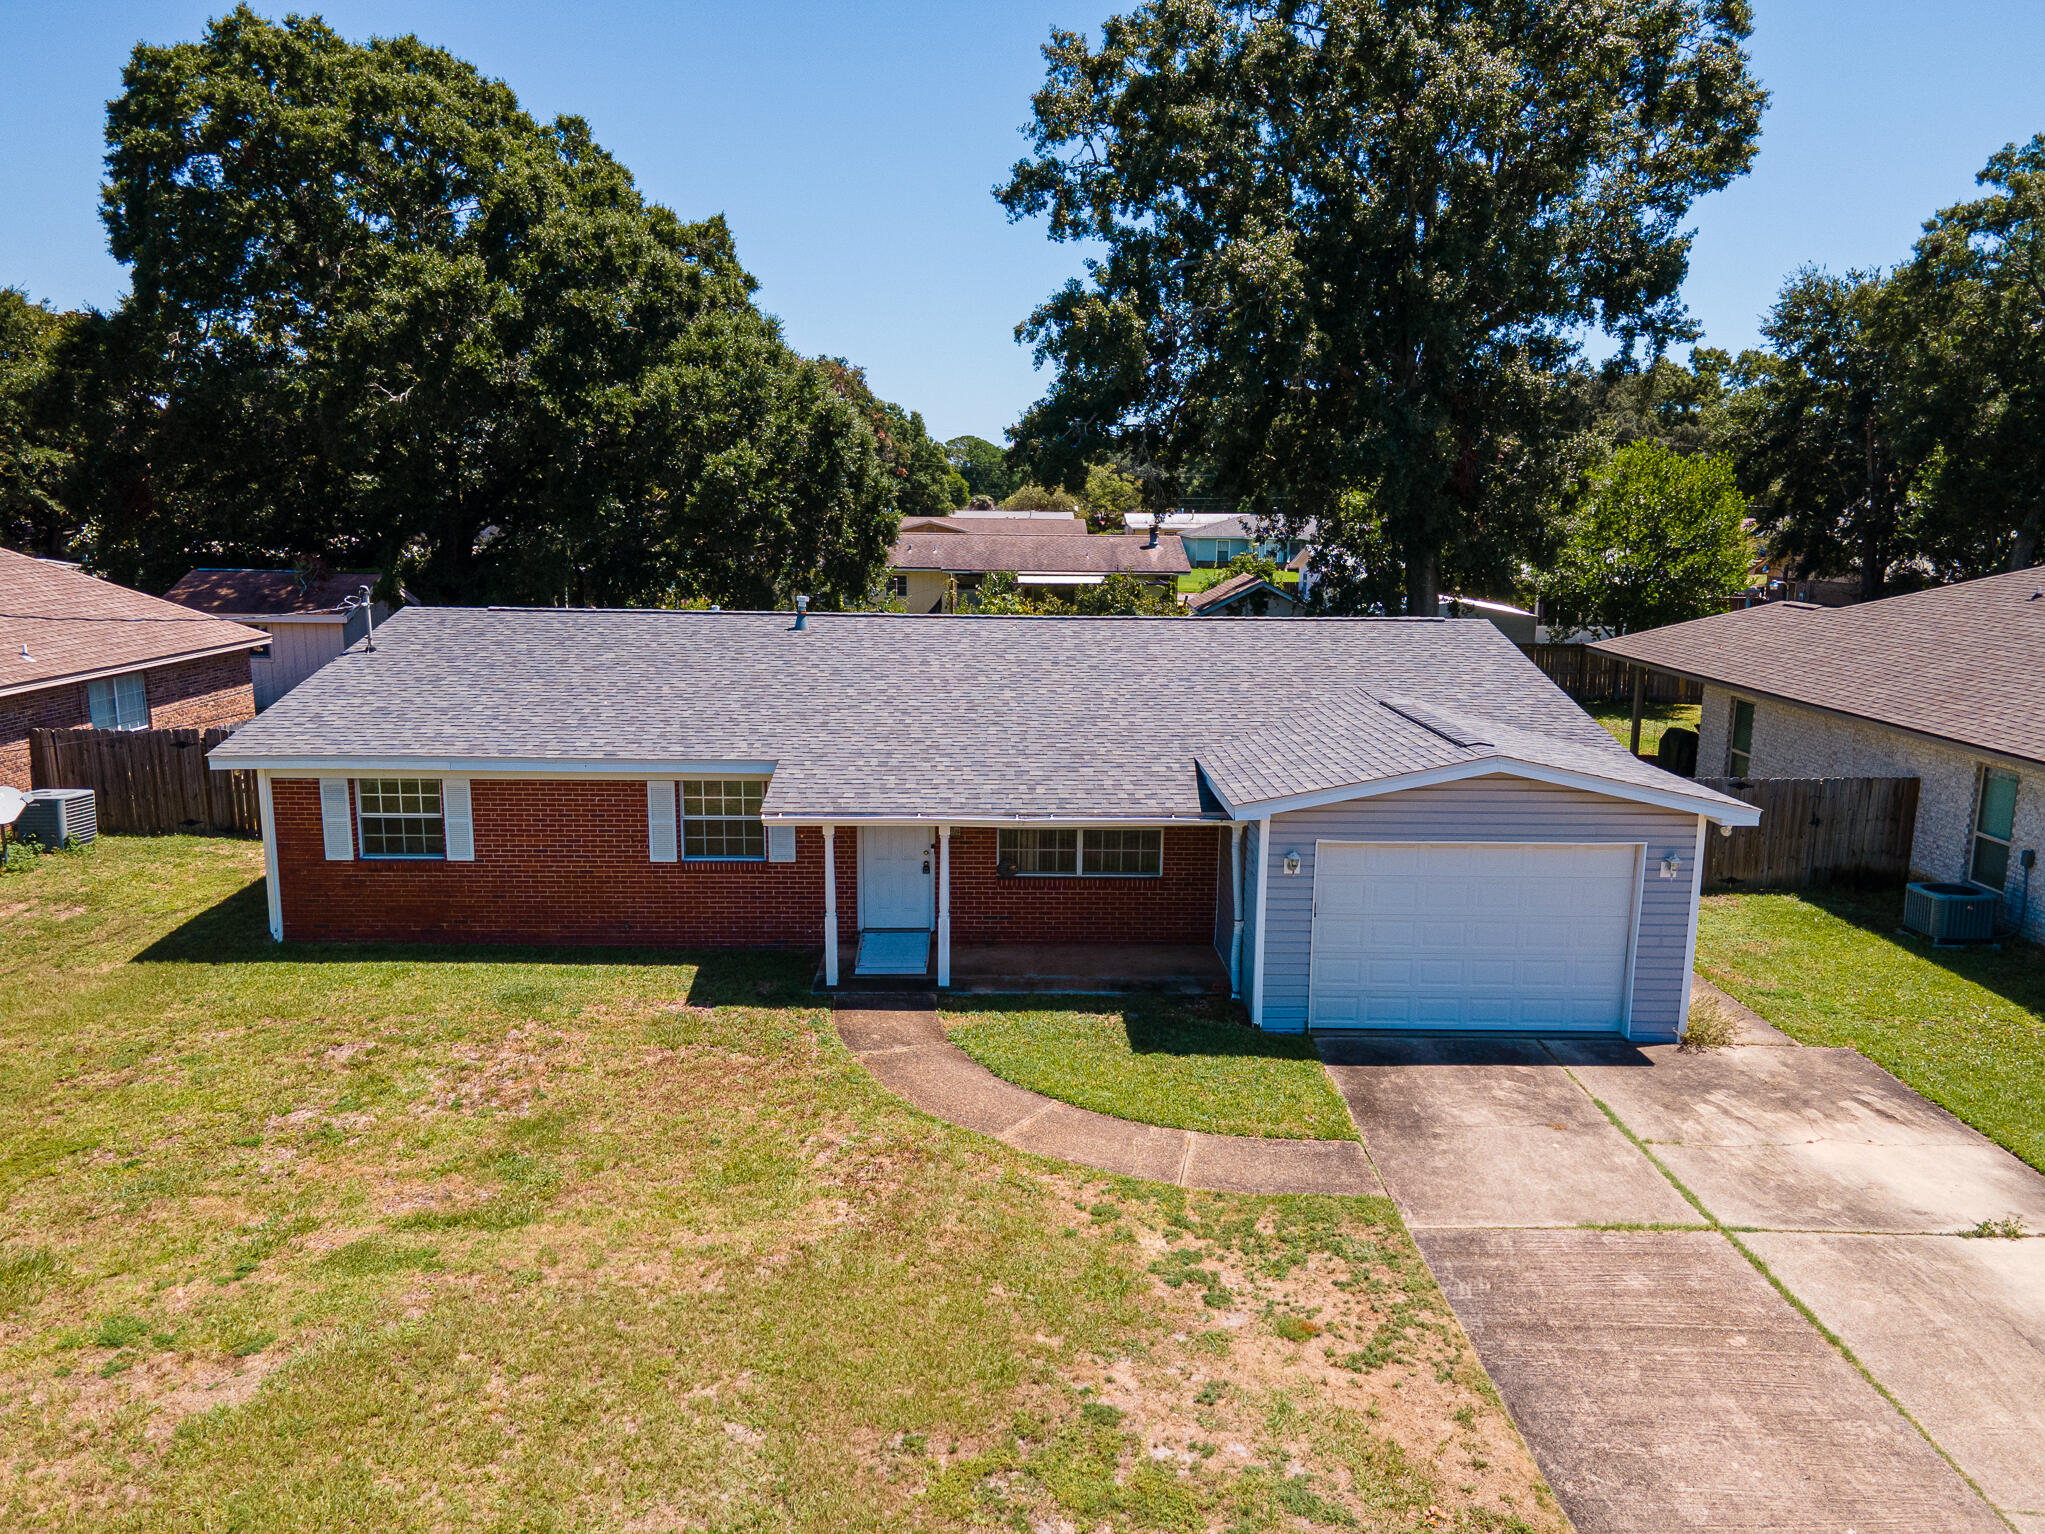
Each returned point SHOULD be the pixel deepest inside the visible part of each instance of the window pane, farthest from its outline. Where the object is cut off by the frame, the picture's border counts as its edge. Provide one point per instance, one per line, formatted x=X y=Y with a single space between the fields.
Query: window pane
x=1991 y=862
x=1124 y=852
x=721 y=818
x=1998 y=804
x=99 y=697
x=131 y=702
x=1040 y=851
x=1743 y=728
x=401 y=818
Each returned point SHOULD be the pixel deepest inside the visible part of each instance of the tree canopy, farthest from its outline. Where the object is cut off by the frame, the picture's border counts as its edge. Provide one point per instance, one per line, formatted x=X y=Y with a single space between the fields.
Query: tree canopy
x=380 y=315
x=33 y=460
x=1350 y=245
x=1655 y=537
x=984 y=467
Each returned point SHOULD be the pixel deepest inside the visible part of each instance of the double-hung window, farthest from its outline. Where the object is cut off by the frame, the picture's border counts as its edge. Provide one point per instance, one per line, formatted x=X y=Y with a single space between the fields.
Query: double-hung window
x=1995 y=823
x=118 y=702
x=721 y=818
x=401 y=817
x=1739 y=756
x=1087 y=852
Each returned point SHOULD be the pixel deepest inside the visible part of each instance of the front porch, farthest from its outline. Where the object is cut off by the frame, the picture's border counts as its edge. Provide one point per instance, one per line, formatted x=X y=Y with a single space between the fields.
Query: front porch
x=1100 y=969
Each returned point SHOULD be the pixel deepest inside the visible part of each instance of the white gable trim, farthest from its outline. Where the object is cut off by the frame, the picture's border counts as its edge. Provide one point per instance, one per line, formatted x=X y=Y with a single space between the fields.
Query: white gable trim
x=1733 y=814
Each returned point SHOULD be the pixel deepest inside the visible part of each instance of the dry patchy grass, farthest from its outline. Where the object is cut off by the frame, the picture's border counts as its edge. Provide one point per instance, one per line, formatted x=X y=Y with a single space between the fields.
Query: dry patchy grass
x=299 y=1239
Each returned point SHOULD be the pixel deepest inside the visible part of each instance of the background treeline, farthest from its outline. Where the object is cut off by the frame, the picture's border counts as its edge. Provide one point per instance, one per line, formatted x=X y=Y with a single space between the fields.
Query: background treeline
x=381 y=317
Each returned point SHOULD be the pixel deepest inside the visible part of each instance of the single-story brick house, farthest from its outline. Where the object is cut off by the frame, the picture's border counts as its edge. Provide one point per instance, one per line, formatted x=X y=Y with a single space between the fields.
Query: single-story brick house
x=1946 y=686
x=936 y=556
x=1374 y=822
x=301 y=612
x=77 y=651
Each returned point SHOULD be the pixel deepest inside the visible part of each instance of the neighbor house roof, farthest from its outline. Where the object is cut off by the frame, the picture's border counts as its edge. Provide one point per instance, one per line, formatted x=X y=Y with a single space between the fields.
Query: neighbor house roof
x=263 y=593
x=1226 y=593
x=1052 y=554
x=58 y=624
x=1000 y=526
x=892 y=716
x=1964 y=663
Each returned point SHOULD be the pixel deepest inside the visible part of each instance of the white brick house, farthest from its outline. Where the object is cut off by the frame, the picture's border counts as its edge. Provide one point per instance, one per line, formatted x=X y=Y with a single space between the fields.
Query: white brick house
x=1946 y=686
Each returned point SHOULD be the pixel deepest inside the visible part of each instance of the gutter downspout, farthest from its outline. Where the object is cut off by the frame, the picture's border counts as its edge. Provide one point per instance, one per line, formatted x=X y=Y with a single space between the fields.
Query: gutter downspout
x=273 y=894
x=944 y=908
x=1235 y=905
x=830 y=905
x=1263 y=885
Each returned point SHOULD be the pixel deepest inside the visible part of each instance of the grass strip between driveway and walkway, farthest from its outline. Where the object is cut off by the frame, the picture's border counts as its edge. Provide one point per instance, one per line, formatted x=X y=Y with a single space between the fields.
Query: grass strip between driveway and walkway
x=1182 y=1064
x=301 y=1238
x=1965 y=1027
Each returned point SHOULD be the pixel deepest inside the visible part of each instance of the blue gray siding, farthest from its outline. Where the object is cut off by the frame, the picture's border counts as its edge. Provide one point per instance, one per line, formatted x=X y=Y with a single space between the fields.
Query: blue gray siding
x=1488 y=809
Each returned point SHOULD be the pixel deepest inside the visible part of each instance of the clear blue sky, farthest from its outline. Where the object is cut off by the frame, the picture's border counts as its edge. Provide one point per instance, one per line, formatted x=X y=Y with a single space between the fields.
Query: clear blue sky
x=852 y=146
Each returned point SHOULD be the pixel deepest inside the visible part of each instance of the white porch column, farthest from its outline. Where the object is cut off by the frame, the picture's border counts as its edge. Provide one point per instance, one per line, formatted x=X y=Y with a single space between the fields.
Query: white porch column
x=943 y=906
x=273 y=892
x=1263 y=884
x=830 y=905
x=1235 y=906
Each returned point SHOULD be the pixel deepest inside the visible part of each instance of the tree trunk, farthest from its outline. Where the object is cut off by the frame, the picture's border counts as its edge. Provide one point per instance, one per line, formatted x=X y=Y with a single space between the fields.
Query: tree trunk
x=2024 y=551
x=1423 y=577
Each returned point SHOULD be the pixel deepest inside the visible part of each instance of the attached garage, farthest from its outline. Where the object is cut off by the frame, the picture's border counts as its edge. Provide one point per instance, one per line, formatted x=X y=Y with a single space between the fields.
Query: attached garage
x=1473 y=935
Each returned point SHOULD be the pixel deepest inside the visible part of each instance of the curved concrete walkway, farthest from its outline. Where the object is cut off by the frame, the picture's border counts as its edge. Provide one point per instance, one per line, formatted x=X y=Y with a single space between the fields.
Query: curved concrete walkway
x=900 y=1040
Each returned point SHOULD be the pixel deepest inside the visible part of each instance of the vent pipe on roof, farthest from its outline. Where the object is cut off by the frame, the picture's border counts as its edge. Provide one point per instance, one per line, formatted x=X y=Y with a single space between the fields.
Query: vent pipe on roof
x=802 y=612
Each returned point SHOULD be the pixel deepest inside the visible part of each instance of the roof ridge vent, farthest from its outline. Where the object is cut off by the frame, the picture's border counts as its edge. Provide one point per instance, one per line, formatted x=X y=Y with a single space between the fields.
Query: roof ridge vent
x=1436 y=722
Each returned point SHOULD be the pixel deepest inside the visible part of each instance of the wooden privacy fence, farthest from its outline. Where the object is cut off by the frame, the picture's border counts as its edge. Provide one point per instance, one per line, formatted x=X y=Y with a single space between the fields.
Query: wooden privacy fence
x=1590 y=677
x=1814 y=831
x=148 y=780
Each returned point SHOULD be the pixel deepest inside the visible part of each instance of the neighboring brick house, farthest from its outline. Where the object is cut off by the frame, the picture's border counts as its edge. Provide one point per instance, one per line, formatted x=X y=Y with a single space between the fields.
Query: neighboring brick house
x=1946 y=686
x=78 y=651
x=1374 y=822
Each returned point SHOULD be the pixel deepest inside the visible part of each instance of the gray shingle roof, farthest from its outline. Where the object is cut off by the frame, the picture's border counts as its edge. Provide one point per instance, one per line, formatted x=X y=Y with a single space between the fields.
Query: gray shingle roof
x=1044 y=554
x=1964 y=662
x=893 y=715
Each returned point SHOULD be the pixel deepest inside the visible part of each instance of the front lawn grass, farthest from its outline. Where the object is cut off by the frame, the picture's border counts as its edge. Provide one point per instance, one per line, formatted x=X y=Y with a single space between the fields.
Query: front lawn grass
x=1966 y=1027
x=1654 y=718
x=298 y=1238
x=1158 y=1060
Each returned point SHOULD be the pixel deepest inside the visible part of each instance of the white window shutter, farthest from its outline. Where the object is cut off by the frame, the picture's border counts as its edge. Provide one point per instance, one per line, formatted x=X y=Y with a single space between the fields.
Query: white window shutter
x=460 y=822
x=660 y=819
x=780 y=843
x=336 y=824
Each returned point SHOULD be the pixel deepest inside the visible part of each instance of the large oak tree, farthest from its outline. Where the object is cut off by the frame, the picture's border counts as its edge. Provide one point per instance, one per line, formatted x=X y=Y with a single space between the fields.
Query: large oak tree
x=381 y=315
x=1350 y=247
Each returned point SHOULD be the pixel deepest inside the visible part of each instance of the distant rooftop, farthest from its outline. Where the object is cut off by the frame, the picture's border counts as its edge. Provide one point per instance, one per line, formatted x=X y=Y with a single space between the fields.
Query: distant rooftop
x=262 y=593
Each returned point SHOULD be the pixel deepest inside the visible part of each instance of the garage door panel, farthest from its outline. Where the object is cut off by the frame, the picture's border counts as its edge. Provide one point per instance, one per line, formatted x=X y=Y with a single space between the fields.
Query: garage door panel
x=1472 y=935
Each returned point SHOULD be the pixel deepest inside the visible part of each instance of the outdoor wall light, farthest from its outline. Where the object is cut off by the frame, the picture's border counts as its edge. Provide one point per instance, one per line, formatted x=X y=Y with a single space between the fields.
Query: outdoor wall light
x=1292 y=862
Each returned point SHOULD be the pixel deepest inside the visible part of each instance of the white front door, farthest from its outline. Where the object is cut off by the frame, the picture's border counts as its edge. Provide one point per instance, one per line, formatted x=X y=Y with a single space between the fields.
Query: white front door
x=1472 y=935
x=896 y=879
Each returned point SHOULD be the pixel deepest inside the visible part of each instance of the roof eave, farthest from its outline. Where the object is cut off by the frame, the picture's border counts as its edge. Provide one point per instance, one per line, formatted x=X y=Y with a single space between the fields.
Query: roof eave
x=93 y=674
x=1704 y=802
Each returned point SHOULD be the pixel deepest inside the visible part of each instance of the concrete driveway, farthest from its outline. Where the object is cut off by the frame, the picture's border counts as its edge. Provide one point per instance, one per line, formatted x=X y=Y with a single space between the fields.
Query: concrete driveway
x=1662 y=1379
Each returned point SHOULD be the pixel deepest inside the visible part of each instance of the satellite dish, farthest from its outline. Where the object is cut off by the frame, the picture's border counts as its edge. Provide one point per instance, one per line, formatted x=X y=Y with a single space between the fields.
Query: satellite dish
x=12 y=801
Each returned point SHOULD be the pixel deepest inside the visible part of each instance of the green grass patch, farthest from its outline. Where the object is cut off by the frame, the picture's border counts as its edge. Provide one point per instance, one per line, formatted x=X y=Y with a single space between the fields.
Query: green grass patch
x=1157 y=1060
x=1966 y=1027
x=1199 y=580
x=1654 y=718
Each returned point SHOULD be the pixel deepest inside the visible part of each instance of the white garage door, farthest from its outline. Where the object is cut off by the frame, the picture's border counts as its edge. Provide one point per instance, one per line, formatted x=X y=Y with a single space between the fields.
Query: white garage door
x=1471 y=935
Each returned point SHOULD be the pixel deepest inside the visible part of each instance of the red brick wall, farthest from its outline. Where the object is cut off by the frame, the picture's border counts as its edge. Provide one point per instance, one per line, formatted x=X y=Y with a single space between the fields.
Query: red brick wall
x=200 y=693
x=1175 y=908
x=566 y=862
x=189 y=696
x=556 y=862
